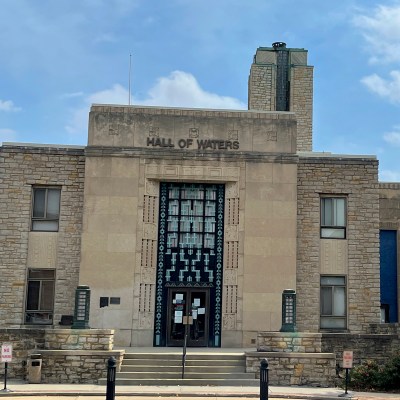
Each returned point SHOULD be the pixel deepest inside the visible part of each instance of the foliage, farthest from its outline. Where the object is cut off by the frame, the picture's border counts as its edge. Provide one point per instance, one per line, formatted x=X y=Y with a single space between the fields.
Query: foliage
x=372 y=375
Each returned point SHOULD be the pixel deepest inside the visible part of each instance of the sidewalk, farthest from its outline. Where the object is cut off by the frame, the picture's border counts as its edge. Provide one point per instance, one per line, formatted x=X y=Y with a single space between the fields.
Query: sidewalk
x=21 y=388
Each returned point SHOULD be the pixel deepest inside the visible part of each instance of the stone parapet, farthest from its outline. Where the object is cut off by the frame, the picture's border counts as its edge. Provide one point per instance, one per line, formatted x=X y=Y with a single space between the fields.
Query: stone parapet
x=365 y=346
x=79 y=339
x=75 y=366
x=295 y=368
x=24 y=341
x=289 y=342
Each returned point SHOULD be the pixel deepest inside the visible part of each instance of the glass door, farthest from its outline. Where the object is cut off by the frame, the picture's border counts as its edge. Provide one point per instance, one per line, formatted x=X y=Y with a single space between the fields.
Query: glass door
x=188 y=306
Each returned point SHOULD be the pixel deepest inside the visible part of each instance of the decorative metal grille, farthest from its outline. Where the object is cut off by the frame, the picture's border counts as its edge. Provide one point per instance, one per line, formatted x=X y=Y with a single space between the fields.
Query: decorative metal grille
x=190 y=248
x=282 y=81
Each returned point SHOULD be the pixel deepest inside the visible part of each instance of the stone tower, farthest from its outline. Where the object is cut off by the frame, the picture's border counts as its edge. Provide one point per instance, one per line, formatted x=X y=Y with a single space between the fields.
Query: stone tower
x=281 y=80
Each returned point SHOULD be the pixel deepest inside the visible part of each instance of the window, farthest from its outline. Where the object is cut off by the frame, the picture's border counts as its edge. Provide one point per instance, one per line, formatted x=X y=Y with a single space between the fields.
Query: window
x=40 y=296
x=333 y=217
x=45 y=209
x=333 y=302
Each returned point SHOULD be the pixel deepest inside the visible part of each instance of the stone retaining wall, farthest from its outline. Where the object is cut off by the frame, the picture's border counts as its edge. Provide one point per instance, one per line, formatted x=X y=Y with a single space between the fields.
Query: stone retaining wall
x=76 y=366
x=68 y=355
x=79 y=339
x=295 y=368
x=365 y=346
x=24 y=341
x=289 y=342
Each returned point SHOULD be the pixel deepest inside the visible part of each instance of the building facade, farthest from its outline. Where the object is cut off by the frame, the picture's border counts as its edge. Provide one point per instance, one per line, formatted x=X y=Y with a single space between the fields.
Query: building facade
x=175 y=216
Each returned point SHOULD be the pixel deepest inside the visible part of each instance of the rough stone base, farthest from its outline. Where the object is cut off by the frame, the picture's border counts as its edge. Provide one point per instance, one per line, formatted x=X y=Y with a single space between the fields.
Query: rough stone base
x=309 y=369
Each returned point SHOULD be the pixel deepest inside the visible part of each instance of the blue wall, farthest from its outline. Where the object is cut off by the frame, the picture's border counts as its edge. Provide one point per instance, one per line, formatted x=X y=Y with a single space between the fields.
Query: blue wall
x=388 y=257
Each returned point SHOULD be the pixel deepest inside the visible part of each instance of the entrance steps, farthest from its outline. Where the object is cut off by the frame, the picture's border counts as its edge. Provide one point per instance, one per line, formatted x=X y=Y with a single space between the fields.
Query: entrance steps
x=203 y=368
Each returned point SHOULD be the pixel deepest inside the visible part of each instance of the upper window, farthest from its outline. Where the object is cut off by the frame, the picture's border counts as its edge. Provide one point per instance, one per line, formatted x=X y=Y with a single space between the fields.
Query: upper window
x=333 y=217
x=45 y=209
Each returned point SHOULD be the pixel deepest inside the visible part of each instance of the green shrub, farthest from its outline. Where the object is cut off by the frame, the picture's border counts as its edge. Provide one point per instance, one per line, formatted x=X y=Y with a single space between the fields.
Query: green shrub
x=374 y=376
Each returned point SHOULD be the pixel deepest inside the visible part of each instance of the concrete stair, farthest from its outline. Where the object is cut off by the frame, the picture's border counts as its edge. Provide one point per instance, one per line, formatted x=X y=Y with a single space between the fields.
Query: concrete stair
x=201 y=369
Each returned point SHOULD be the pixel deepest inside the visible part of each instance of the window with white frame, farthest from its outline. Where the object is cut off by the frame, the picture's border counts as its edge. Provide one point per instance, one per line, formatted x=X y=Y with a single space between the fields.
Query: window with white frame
x=333 y=217
x=40 y=296
x=45 y=209
x=333 y=302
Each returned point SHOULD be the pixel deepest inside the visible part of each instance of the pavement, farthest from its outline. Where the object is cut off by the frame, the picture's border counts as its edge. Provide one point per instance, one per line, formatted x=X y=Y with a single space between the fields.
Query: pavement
x=20 y=390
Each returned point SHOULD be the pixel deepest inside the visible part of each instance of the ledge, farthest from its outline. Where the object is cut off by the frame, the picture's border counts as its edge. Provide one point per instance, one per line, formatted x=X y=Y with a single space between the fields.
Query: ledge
x=279 y=354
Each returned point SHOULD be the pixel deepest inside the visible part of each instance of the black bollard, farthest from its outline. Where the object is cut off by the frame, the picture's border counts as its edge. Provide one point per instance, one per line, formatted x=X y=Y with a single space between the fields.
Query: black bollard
x=264 y=379
x=111 y=368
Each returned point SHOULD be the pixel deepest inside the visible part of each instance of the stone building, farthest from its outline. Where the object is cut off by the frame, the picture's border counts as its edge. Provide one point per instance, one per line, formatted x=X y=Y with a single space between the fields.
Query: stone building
x=170 y=213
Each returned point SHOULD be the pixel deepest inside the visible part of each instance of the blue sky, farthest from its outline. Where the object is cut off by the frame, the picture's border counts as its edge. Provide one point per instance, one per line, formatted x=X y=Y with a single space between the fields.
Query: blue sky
x=58 y=57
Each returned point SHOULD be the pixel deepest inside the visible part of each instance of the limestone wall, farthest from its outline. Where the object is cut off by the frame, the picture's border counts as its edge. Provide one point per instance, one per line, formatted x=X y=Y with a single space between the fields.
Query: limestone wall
x=24 y=341
x=62 y=366
x=358 y=255
x=365 y=346
x=20 y=168
x=301 y=103
x=68 y=355
x=295 y=368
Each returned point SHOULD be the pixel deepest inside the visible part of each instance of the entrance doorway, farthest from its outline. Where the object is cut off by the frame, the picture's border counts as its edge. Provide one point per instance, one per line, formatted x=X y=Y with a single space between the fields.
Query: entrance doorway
x=189 y=264
x=191 y=306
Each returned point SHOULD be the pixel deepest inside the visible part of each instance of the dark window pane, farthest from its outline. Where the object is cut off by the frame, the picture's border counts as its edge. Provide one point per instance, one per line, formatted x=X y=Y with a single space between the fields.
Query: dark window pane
x=39 y=203
x=32 y=300
x=47 y=295
x=326 y=301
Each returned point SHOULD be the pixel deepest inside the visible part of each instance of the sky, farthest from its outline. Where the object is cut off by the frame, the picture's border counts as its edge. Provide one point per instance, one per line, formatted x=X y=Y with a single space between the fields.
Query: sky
x=57 y=57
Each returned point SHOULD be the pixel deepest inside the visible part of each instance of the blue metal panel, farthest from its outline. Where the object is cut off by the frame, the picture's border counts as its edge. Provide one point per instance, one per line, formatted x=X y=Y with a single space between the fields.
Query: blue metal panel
x=388 y=261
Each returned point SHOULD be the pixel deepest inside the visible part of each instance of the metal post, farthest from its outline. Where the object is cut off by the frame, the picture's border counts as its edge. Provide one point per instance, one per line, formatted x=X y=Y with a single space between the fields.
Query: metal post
x=347 y=381
x=264 y=379
x=184 y=351
x=111 y=368
x=5 y=379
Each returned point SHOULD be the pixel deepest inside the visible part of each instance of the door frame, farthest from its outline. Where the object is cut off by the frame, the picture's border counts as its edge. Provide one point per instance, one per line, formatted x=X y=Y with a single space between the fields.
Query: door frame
x=188 y=292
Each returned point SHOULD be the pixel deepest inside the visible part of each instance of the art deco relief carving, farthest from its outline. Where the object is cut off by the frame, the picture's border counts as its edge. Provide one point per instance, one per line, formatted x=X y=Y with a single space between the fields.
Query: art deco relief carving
x=151 y=187
x=271 y=136
x=148 y=275
x=231 y=190
x=230 y=277
x=229 y=322
x=194 y=132
x=231 y=233
x=149 y=231
x=233 y=135
x=146 y=320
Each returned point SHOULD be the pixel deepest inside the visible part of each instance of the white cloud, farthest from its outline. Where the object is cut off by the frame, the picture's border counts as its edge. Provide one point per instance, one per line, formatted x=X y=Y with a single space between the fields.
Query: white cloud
x=8 y=106
x=179 y=89
x=71 y=95
x=393 y=137
x=7 y=135
x=381 y=30
x=389 y=176
x=387 y=88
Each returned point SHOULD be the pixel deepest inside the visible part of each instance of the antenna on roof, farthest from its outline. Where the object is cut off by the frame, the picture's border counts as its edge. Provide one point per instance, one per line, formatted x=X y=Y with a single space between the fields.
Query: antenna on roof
x=129 y=84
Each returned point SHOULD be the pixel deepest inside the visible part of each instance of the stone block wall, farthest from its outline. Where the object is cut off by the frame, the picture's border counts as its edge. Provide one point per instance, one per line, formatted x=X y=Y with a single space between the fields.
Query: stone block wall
x=68 y=355
x=365 y=346
x=24 y=341
x=301 y=103
x=357 y=179
x=77 y=366
x=79 y=339
x=20 y=168
x=289 y=342
x=262 y=87
x=295 y=368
